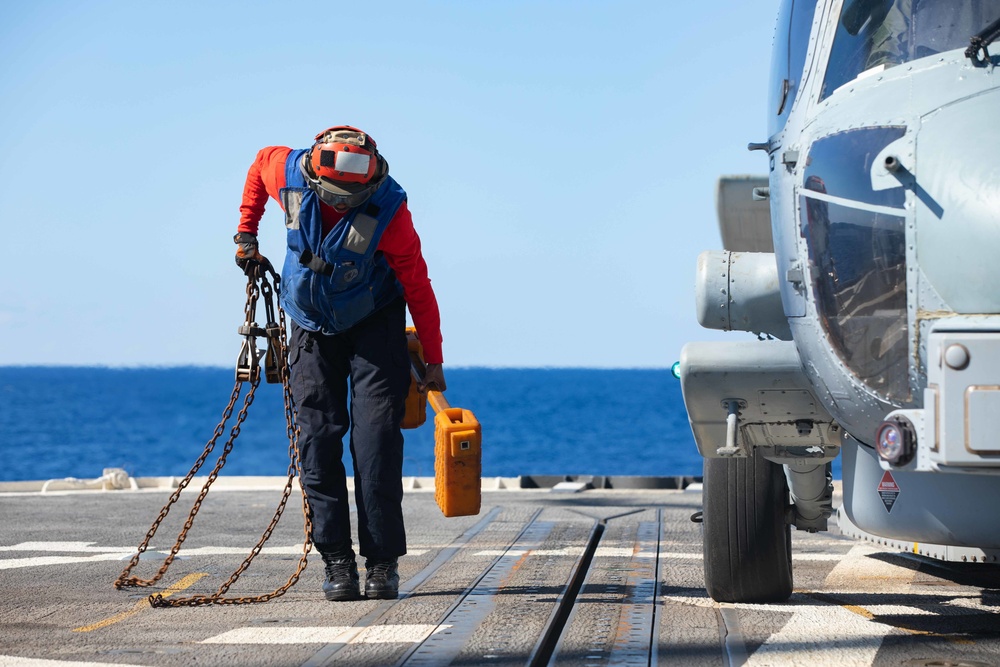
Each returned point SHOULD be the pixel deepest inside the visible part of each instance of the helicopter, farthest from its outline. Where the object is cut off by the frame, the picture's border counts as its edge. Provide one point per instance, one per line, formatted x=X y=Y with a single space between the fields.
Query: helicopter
x=866 y=263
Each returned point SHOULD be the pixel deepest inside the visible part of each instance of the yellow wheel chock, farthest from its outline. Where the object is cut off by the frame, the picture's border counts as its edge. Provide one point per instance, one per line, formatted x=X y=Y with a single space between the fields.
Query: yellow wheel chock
x=457 y=441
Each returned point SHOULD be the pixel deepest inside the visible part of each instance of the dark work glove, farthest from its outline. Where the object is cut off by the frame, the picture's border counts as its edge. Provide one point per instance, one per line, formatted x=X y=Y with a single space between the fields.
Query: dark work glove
x=433 y=378
x=247 y=254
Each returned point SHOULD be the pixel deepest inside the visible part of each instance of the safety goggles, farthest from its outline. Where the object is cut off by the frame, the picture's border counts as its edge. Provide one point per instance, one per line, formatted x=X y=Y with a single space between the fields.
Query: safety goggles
x=351 y=200
x=341 y=195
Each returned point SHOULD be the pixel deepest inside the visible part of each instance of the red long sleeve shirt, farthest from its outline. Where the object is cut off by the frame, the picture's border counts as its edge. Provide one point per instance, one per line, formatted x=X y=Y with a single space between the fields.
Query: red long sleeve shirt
x=399 y=244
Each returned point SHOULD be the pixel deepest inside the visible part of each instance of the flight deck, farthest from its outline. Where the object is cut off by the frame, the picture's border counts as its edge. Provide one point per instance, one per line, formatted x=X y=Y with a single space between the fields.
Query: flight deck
x=562 y=575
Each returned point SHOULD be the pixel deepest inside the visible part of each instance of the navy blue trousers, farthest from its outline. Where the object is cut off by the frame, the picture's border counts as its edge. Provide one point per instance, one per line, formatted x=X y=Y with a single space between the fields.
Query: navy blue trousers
x=371 y=361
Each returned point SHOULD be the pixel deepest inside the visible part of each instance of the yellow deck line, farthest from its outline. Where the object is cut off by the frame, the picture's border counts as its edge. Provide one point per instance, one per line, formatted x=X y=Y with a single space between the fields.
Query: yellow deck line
x=184 y=583
x=865 y=613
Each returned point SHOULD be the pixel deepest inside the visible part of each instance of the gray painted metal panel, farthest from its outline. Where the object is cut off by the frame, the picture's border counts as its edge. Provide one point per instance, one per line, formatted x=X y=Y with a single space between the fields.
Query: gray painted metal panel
x=768 y=378
x=744 y=223
x=965 y=397
x=945 y=509
x=738 y=291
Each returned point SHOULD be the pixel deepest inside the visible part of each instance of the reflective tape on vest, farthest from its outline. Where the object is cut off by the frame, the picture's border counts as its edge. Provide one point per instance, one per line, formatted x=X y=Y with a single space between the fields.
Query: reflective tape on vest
x=292 y=200
x=361 y=233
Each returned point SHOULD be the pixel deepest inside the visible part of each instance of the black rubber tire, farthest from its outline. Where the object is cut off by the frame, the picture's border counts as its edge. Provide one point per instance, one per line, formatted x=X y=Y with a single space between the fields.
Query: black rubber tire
x=747 y=542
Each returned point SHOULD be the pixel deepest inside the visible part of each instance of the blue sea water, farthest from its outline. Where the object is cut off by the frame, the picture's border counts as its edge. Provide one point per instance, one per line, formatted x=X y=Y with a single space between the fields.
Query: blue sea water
x=74 y=422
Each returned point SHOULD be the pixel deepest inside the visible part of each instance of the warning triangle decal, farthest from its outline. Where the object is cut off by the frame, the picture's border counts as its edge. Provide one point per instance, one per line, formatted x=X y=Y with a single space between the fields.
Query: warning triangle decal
x=888 y=490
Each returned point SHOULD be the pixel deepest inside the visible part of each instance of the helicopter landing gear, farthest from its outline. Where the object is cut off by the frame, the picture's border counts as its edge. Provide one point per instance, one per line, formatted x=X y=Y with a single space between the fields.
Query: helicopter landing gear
x=747 y=539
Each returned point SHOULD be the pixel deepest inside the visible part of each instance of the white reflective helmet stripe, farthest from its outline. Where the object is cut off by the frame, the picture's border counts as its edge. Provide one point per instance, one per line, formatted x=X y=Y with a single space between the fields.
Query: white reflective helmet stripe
x=353 y=163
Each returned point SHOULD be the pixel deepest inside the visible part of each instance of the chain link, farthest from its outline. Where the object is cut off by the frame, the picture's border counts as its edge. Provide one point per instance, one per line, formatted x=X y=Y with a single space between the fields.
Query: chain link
x=125 y=579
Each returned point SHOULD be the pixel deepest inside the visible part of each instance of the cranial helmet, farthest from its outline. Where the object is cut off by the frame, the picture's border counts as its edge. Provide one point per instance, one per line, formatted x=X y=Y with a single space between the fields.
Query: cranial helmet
x=344 y=167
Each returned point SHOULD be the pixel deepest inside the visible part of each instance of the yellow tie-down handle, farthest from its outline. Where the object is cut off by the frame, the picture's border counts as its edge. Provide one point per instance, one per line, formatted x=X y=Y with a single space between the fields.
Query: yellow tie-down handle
x=458 y=452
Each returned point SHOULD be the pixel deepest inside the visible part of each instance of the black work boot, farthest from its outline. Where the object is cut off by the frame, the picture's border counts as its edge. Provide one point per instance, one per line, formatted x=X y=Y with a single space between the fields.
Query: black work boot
x=381 y=579
x=342 y=580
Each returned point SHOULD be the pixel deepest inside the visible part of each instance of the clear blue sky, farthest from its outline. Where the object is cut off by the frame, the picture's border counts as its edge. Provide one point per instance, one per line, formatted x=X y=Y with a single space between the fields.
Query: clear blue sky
x=560 y=160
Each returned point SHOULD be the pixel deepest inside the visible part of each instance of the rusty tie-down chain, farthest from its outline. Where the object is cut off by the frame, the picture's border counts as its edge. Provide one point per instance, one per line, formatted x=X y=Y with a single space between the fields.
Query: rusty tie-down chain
x=247 y=370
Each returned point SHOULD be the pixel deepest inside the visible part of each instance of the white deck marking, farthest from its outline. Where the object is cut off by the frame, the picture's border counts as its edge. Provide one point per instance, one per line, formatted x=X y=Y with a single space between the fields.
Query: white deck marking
x=688 y=555
x=972 y=601
x=378 y=634
x=295 y=550
x=16 y=661
x=625 y=552
x=844 y=633
x=12 y=563
x=256 y=635
x=818 y=557
x=65 y=546
x=840 y=636
x=98 y=553
x=575 y=551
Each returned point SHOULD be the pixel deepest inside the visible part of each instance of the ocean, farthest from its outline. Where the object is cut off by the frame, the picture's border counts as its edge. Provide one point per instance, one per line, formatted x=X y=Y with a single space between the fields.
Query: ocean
x=58 y=422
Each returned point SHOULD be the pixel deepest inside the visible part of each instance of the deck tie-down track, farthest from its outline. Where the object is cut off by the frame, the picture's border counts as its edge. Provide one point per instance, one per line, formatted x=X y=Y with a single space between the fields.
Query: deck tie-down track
x=551 y=561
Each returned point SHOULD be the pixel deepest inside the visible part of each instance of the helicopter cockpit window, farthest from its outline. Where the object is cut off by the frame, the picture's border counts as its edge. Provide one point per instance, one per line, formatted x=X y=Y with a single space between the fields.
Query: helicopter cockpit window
x=788 y=59
x=857 y=257
x=885 y=33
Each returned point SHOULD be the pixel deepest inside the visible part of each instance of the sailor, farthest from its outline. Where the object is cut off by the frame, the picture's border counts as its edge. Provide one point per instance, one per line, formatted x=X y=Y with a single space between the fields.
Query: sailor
x=353 y=264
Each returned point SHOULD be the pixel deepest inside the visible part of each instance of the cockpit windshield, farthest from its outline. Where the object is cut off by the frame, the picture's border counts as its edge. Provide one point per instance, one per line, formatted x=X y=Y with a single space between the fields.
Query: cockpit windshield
x=885 y=33
x=857 y=253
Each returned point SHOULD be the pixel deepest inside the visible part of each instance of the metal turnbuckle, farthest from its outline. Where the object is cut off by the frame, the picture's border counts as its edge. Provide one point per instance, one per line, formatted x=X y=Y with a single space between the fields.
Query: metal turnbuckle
x=248 y=361
x=274 y=369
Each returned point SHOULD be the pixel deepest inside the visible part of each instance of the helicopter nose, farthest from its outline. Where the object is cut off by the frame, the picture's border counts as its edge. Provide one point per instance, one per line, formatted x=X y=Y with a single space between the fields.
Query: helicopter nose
x=956 y=195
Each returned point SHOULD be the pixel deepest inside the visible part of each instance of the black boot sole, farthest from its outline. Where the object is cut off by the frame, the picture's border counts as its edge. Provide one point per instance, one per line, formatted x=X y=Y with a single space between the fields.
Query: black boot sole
x=342 y=596
x=382 y=595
